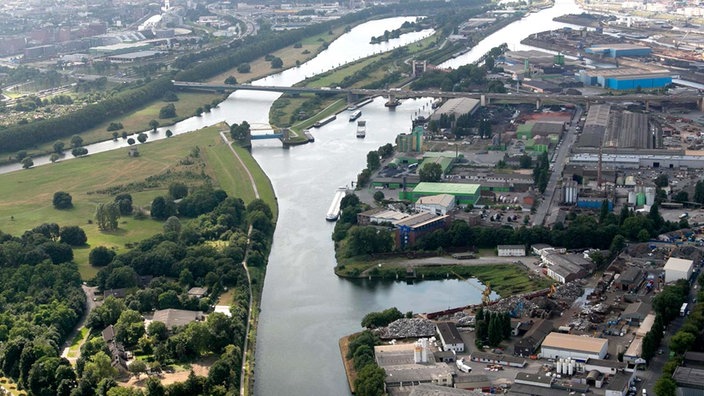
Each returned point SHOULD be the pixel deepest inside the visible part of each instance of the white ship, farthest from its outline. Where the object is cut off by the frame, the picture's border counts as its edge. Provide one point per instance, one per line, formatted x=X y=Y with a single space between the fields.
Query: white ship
x=334 y=210
x=361 y=128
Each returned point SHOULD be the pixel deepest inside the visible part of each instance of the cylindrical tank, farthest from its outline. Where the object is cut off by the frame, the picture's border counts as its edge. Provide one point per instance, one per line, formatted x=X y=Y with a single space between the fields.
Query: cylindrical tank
x=558 y=369
x=424 y=352
x=565 y=363
x=650 y=195
x=571 y=193
x=632 y=196
x=570 y=368
x=619 y=180
x=417 y=357
x=640 y=199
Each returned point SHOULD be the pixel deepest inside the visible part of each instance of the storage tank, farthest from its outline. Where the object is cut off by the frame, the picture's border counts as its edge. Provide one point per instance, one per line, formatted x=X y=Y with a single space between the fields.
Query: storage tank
x=417 y=353
x=619 y=180
x=571 y=193
x=424 y=350
x=570 y=368
x=632 y=196
x=558 y=368
x=640 y=199
x=650 y=195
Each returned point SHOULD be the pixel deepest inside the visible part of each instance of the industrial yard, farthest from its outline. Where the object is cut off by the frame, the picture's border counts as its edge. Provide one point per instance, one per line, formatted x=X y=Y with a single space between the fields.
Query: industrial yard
x=583 y=335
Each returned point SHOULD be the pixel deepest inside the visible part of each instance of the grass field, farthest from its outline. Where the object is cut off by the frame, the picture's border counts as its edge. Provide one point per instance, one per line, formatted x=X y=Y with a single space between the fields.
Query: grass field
x=505 y=279
x=27 y=194
x=136 y=121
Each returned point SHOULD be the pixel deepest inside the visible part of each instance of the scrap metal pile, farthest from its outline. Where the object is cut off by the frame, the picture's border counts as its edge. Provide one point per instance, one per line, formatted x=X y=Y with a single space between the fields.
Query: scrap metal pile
x=408 y=328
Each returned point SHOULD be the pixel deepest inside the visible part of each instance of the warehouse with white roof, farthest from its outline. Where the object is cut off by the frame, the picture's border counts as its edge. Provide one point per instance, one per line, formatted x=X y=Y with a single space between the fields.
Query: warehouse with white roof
x=558 y=345
x=677 y=268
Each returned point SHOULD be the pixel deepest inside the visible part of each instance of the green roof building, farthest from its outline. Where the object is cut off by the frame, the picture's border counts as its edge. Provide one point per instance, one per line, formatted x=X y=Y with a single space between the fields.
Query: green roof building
x=465 y=194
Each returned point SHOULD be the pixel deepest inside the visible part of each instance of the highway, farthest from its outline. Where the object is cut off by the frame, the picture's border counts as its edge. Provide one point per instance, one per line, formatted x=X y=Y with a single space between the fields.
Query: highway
x=558 y=166
x=488 y=96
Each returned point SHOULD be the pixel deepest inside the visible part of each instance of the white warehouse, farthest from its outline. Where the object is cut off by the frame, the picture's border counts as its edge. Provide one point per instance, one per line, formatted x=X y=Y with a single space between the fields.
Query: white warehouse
x=511 y=250
x=558 y=345
x=677 y=268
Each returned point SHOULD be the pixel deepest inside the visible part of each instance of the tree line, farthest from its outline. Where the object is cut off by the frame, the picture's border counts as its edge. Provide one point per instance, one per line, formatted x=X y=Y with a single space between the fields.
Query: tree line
x=29 y=135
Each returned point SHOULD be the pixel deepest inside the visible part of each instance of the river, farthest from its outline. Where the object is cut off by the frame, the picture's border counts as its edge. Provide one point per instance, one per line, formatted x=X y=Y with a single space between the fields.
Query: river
x=305 y=307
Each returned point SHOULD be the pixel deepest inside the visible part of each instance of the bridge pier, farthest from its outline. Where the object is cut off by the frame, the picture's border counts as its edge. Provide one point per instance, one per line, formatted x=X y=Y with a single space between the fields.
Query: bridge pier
x=351 y=99
x=393 y=101
x=483 y=100
x=700 y=103
x=647 y=105
x=538 y=104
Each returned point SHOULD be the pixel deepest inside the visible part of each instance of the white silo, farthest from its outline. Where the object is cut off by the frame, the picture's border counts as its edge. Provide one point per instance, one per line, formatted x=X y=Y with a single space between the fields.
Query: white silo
x=570 y=368
x=417 y=352
x=632 y=195
x=558 y=369
x=424 y=350
x=565 y=363
x=649 y=196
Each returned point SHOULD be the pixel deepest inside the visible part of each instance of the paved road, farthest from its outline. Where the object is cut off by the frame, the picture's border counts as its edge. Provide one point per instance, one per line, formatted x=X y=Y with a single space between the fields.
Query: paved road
x=90 y=305
x=559 y=164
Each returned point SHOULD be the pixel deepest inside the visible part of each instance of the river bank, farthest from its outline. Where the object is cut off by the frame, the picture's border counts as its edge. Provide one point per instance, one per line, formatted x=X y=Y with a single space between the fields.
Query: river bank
x=506 y=277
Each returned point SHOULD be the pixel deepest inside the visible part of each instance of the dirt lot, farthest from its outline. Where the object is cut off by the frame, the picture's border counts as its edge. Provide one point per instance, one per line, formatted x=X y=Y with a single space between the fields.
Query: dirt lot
x=200 y=369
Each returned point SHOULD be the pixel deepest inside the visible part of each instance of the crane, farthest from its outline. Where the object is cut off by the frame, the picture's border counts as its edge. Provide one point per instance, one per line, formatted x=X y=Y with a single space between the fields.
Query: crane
x=486 y=292
x=553 y=290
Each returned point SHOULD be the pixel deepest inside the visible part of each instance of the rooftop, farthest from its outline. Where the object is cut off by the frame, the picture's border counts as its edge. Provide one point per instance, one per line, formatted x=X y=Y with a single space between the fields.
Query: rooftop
x=511 y=247
x=689 y=377
x=607 y=363
x=440 y=199
x=448 y=332
x=678 y=264
x=574 y=342
x=437 y=390
x=618 y=382
x=176 y=317
x=447 y=188
x=418 y=220
x=539 y=378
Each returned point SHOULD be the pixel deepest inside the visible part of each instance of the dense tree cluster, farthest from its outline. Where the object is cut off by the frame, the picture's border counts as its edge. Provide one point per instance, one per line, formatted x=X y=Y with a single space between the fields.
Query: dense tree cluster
x=42 y=300
x=688 y=337
x=581 y=231
x=492 y=328
x=374 y=320
x=370 y=377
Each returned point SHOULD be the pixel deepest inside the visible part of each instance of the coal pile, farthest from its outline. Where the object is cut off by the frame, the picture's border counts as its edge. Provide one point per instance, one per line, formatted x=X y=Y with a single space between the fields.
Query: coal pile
x=408 y=328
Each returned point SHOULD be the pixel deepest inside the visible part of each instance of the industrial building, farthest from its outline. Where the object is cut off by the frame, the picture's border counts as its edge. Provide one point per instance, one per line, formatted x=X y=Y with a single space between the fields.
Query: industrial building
x=618 y=385
x=465 y=194
x=690 y=380
x=677 y=268
x=633 y=161
x=450 y=337
x=629 y=130
x=407 y=364
x=456 y=107
x=618 y=50
x=412 y=227
x=595 y=125
x=581 y=348
x=566 y=267
x=625 y=78
x=530 y=342
x=511 y=251
x=439 y=204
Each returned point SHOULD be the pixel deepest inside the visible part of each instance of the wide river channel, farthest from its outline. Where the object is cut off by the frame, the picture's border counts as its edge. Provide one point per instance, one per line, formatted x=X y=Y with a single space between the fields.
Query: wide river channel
x=305 y=307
